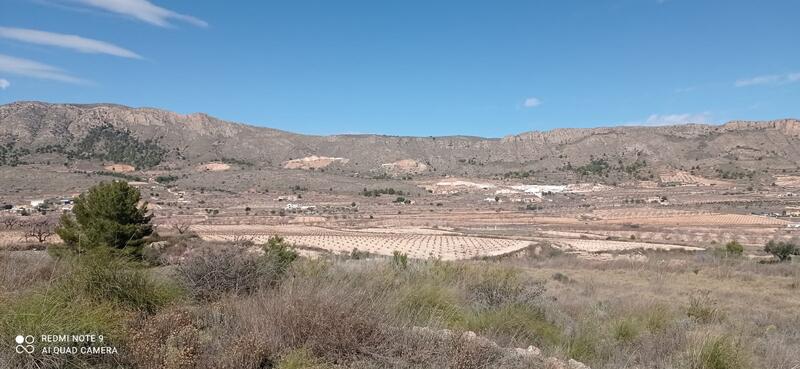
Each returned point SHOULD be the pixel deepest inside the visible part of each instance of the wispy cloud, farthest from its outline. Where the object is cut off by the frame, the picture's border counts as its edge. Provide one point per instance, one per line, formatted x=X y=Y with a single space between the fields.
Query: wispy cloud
x=81 y=44
x=772 y=79
x=4 y=83
x=143 y=10
x=673 y=119
x=531 y=102
x=34 y=69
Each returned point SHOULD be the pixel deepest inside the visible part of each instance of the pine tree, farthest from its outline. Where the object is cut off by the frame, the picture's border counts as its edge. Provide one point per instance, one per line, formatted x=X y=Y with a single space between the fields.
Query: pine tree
x=108 y=215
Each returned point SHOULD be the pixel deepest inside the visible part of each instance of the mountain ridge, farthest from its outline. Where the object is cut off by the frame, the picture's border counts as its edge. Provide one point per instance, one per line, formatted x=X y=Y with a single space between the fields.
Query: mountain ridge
x=95 y=131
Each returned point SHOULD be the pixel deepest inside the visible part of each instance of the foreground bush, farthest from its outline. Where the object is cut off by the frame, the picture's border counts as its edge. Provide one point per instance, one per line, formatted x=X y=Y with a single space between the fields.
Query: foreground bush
x=110 y=279
x=54 y=311
x=322 y=319
x=212 y=271
x=98 y=294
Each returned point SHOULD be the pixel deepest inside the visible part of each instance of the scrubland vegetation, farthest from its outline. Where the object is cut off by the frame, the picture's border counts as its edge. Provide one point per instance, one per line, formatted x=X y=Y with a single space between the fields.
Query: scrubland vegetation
x=180 y=302
x=236 y=308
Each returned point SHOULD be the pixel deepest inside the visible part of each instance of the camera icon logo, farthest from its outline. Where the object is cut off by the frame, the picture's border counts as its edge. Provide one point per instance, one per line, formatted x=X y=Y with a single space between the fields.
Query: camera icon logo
x=24 y=344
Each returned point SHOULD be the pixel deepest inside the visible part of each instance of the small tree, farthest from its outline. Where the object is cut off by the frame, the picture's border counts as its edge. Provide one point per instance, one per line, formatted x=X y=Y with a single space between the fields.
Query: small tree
x=782 y=250
x=734 y=248
x=182 y=226
x=39 y=229
x=9 y=221
x=108 y=215
x=279 y=253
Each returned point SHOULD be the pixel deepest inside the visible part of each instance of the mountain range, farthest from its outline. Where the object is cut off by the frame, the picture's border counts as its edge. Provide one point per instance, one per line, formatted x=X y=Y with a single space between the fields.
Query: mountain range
x=146 y=138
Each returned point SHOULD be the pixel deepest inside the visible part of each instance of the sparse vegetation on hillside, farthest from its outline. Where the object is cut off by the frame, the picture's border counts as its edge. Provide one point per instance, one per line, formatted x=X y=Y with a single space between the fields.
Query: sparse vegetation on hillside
x=167 y=178
x=125 y=176
x=106 y=143
x=519 y=174
x=382 y=191
x=10 y=154
x=594 y=167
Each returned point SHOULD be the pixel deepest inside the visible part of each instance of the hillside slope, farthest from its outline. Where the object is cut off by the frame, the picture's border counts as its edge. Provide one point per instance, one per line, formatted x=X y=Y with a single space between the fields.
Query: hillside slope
x=144 y=137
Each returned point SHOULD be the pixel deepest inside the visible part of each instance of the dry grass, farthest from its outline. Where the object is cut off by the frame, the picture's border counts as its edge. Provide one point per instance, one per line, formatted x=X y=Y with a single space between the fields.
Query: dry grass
x=21 y=270
x=655 y=314
x=703 y=312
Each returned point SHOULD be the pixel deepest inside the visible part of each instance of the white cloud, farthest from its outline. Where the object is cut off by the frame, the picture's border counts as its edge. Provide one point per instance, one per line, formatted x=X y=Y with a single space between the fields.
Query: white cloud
x=772 y=79
x=4 y=84
x=531 y=102
x=673 y=119
x=85 y=45
x=34 y=69
x=144 y=10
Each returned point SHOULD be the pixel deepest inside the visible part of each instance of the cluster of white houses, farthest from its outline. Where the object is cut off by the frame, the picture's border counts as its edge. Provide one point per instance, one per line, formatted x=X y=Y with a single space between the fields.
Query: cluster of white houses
x=41 y=205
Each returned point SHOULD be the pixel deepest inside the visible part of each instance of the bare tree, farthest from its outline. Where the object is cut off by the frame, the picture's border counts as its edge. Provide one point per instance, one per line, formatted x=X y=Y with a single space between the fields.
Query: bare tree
x=9 y=221
x=182 y=226
x=39 y=229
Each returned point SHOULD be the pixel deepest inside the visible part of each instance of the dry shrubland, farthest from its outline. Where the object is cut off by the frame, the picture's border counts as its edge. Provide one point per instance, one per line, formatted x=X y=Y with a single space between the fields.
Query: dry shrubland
x=262 y=308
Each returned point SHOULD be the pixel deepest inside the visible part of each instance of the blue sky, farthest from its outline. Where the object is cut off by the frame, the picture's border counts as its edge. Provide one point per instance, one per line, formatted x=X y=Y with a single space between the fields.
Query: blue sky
x=411 y=67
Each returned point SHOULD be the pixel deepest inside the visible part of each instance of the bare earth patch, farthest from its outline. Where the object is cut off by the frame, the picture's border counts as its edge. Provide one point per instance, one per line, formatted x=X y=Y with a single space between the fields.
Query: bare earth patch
x=405 y=166
x=787 y=181
x=120 y=168
x=213 y=167
x=313 y=162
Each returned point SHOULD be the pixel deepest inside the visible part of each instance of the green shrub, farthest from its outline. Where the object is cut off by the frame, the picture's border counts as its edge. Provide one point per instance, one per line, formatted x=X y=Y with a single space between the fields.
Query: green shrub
x=52 y=311
x=99 y=295
x=720 y=353
x=781 y=249
x=399 y=260
x=657 y=318
x=582 y=343
x=702 y=308
x=429 y=301
x=625 y=330
x=166 y=179
x=300 y=359
x=526 y=324
x=106 y=278
x=734 y=248
x=279 y=254
x=108 y=215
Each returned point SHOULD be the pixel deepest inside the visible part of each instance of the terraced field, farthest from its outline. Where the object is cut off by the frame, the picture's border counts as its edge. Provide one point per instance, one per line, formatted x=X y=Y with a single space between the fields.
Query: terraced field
x=689 y=219
x=419 y=246
x=604 y=245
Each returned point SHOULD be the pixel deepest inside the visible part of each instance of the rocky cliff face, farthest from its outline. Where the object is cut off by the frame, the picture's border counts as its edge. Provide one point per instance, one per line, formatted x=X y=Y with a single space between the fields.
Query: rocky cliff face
x=31 y=128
